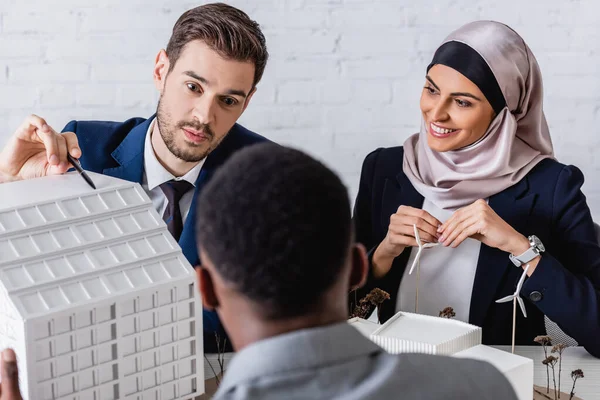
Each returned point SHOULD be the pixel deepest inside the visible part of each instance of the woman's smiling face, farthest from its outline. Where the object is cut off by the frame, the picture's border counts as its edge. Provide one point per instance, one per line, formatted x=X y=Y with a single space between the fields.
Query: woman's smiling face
x=455 y=111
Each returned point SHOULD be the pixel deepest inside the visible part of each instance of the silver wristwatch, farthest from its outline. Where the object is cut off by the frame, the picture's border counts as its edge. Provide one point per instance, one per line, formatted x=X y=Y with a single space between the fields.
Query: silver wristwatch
x=535 y=249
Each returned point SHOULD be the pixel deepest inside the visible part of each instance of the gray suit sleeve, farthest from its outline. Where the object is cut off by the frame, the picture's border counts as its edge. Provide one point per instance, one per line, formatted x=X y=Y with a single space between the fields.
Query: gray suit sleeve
x=427 y=377
x=487 y=380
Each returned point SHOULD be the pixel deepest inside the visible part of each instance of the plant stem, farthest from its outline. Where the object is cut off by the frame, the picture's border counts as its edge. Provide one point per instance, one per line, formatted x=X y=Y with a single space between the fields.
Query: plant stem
x=514 y=324
x=559 y=370
x=573 y=389
x=213 y=370
x=417 y=291
x=554 y=380
x=547 y=370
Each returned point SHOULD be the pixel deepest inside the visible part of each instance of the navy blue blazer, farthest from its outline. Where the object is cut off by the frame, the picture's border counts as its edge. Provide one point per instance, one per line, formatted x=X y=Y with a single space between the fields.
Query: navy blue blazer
x=547 y=203
x=117 y=149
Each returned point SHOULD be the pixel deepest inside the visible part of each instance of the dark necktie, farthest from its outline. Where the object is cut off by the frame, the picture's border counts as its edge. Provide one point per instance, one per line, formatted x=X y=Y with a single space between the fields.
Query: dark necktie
x=174 y=191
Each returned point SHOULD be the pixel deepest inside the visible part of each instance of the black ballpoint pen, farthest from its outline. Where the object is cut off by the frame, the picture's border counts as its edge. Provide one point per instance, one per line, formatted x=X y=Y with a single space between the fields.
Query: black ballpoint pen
x=77 y=166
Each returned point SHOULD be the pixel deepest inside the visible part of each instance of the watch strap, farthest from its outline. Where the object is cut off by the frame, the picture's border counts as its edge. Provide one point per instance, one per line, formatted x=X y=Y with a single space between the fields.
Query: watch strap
x=524 y=258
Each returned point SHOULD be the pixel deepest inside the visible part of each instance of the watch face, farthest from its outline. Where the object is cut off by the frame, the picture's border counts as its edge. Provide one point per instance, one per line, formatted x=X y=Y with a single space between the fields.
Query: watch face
x=538 y=243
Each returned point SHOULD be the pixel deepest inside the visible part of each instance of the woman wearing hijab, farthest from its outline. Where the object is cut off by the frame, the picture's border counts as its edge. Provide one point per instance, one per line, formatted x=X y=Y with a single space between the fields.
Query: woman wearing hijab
x=480 y=178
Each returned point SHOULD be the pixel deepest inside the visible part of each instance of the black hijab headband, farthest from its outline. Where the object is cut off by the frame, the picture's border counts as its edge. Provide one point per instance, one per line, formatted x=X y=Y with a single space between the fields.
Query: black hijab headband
x=468 y=62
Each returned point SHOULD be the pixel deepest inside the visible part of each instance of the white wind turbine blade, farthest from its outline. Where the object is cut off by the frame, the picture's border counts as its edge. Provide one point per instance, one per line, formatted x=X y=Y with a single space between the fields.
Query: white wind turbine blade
x=520 y=301
x=522 y=279
x=506 y=299
x=416 y=261
x=420 y=246
x=516 y=294
x=417 y=236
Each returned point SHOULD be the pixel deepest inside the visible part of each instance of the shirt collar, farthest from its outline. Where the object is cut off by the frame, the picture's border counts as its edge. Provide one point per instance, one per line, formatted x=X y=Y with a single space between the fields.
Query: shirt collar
x=156 y=174
x=298 y=350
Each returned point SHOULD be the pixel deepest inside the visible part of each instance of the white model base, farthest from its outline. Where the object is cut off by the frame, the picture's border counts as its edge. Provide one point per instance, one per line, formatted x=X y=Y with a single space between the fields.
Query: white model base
x=518 y=370
x=364 y=326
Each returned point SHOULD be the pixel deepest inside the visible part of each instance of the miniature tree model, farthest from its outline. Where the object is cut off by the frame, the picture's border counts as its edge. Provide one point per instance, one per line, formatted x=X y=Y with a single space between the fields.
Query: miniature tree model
x=545 y=341
x=367 y=304
x=551 y=361
x=575 y=375
x=559 y=348
x=448 y=312
x=220 y=358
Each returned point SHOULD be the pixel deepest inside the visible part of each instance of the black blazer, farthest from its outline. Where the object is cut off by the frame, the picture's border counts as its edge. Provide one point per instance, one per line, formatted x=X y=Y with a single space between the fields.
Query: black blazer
x=548 y=203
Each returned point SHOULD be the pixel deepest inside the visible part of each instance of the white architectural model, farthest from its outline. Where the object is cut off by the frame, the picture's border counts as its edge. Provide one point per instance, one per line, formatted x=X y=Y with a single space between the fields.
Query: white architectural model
x=517 y=369
x=96 y=296
x=415 y=333
x=364 y=326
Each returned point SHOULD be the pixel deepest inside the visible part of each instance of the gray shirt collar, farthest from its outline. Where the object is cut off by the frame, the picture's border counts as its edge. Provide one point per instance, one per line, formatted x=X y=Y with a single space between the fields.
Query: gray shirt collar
x=298 y=350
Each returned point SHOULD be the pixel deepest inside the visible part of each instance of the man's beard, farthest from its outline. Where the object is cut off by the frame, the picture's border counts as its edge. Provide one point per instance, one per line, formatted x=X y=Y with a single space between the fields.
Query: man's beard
x=168 y=131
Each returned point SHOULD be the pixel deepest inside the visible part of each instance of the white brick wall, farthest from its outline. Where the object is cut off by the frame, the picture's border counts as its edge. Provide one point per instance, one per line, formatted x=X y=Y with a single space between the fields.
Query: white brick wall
x=344 y=76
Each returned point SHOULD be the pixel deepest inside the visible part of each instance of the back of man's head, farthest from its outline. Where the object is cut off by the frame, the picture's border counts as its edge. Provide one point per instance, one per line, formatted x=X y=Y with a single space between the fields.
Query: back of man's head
x=276 y=225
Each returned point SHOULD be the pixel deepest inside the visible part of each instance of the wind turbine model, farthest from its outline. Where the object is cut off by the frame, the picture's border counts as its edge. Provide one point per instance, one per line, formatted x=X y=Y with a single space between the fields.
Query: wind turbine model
x=416 y=263
x=516 y=298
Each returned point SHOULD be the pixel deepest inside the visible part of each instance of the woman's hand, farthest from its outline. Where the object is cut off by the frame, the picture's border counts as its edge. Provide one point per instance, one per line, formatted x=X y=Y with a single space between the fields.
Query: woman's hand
x=401 y=234
x=480 y=222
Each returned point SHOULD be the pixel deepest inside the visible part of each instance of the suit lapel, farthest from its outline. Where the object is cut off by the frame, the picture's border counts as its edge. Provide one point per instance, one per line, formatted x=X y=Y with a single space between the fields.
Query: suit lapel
x=513 y=205
x=130 y=155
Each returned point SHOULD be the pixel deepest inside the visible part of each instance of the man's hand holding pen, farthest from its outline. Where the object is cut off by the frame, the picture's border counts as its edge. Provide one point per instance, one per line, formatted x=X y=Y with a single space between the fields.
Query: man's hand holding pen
x=36 y=150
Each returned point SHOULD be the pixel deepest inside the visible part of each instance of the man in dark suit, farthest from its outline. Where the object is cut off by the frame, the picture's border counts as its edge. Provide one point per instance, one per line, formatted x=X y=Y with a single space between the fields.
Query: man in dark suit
x=206 y=78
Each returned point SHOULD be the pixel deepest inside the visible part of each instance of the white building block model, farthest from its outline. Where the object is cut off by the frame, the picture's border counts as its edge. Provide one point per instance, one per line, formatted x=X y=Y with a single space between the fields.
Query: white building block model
x=518 y=370
x=415 y=333
x=364 y=326
x=96 y=296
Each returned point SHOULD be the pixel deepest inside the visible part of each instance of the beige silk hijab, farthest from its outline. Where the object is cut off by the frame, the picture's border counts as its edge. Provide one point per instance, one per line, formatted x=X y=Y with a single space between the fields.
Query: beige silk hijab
x=516 y=140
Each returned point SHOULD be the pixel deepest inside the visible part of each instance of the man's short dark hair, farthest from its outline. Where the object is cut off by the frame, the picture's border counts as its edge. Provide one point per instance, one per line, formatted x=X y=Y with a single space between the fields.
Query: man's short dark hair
x=225 y=29
x=276 y=224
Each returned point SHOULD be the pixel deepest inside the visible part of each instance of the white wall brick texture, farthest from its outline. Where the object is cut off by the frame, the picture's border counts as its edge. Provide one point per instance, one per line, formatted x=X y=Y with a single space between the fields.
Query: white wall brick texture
x=344 y=76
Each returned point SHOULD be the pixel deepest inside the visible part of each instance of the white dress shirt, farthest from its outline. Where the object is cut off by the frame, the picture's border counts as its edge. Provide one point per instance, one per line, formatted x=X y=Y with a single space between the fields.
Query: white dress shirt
x=446 y=277
x=155 y=175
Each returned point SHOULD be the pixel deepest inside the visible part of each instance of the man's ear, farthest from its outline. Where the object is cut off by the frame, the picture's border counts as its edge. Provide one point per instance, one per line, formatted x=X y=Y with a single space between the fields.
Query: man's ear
x=161 y=70
x=360 y=266
x=207 y=288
